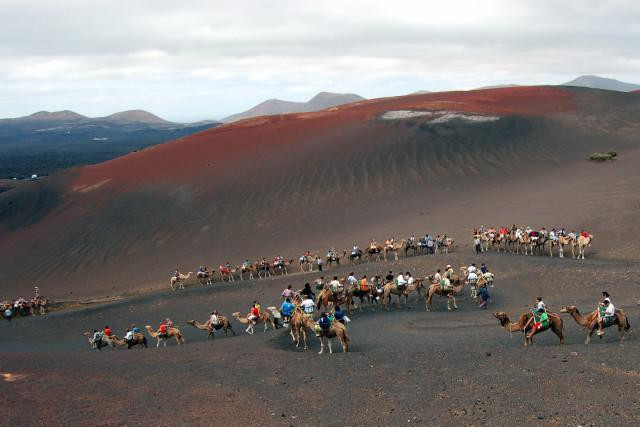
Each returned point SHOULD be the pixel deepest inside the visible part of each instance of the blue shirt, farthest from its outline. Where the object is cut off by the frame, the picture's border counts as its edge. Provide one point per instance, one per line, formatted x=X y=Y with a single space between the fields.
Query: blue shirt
x=324 y=323
x=339 y=314
x=287 y=308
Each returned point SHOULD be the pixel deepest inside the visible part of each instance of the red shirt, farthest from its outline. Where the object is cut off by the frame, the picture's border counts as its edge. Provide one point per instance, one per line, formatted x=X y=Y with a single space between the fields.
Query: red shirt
x=584 y=234
x=107 y=332
x=254 y=311
x=163 y=328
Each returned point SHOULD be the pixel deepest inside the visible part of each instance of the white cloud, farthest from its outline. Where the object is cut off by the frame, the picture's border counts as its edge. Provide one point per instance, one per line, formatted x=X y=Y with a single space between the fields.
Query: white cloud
x=203 y=59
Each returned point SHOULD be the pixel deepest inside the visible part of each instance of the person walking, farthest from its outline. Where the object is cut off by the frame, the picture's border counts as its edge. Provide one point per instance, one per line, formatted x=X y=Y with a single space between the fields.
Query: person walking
x=319 y=263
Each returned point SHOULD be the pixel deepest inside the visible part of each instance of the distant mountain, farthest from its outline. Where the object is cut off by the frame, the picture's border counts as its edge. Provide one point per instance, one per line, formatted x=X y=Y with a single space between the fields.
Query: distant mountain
x=420 y=92
x=64 y=115
x=136 y=116
x=596 y=82
x=319 y=102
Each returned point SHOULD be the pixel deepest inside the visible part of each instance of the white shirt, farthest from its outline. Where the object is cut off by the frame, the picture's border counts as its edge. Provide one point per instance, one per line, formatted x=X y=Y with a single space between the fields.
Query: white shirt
x=128 y=336
x=401 y=280
x=410 y=280
x=472 y=269
x=351 y=280
x=610 y=310
x=308 y=305
x=540 y=306
x=214 y=319
x=472 y=277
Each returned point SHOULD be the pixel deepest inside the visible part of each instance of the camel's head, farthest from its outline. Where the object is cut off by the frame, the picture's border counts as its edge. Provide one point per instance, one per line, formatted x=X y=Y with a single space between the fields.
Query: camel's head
x=191 y=322
x=568 y=309
x=87 y=334
x=236 y=314
x=502 y=317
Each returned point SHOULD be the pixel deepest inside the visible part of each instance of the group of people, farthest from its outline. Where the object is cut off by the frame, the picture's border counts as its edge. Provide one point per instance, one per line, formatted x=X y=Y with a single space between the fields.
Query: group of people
x=21 y=306
x=308 y=306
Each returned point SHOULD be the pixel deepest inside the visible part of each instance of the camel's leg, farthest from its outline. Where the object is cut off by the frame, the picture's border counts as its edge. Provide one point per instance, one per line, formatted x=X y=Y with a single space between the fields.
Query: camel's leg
x=321 y=344
x=304 y=337
x=293 y=338
x=588 y=340
x=396 y=255
x=454 y=302
x=330 y=349
x=266 y=326
x=621 y=332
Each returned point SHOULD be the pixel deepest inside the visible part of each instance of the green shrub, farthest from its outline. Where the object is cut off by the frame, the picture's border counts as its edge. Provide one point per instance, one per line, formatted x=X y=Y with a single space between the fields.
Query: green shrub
x=603 y=157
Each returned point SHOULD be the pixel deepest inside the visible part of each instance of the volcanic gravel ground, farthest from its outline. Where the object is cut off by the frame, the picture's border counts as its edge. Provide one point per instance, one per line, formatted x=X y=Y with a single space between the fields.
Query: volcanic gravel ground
x=406 y=366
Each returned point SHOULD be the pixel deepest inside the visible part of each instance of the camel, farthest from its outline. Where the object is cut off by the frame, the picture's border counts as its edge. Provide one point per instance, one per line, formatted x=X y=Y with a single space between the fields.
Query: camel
x=171 y=332
x=353 y=256
x=525 y=242
x=264 y=267
x=226 y=272
x=300 y=323
x=540 y=244
x=590 y=321
x=581 y=242
x=446 y=243
x=104 y=342
x=374 y=249
x=337 y=329
x=395 y=247
x=411 y=246
x=326 y=296
x=334 y=256
x=205 y=277
x=138 y=339
x=179 y=280
x=282 y=267
x=560 y=243
x=484 y=240
x=223 y=323
x=39 y=304
x=308 y=260
x=525 y=324
x=391 y=288
x=265 y=318
x=436 y=289
x=247 y=268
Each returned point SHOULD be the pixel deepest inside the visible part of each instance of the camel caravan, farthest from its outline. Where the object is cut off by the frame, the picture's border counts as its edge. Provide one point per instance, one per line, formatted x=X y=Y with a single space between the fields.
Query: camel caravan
x=528 y=241
x=311 y=261
x=326 y=313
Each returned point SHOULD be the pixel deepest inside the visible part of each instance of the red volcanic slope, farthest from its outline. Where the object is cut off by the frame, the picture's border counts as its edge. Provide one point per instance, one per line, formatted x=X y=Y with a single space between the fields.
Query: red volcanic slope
x=294 y=182
x=183 y=160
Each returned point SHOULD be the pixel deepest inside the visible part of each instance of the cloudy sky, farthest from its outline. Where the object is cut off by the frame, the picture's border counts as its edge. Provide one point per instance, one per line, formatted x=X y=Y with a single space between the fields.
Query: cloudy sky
x=197 y=59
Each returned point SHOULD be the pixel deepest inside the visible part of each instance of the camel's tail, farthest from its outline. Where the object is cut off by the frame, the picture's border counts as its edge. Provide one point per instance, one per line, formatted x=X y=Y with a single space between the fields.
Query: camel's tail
x=627 y=326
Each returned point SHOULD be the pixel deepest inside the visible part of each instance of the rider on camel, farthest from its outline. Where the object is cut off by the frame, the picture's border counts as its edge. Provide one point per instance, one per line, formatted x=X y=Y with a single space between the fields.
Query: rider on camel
x=162 y=330
x=540 y=317
x=336 y=287
x=606 y=315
